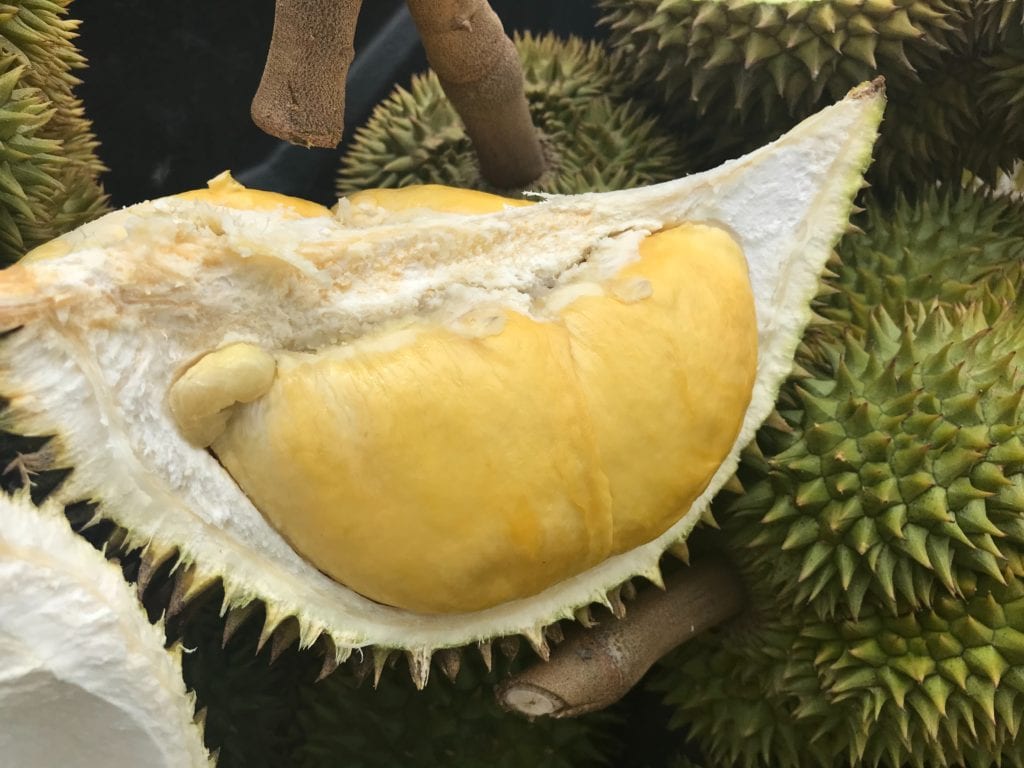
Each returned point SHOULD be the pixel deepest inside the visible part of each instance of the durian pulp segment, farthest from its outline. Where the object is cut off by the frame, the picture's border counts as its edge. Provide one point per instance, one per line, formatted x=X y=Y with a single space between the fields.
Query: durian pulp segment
x=104 y=330
x=84 y=677
x=451 y=469
x=224 y=190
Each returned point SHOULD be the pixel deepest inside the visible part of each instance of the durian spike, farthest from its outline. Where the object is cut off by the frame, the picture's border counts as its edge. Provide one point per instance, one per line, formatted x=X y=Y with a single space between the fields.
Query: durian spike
x=592 y=670
x=301 y=96
x=479 y=69
x=450 y=661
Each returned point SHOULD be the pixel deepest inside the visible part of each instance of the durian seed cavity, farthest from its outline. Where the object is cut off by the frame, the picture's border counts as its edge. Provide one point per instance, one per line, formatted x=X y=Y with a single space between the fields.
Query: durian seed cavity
x=202 y=397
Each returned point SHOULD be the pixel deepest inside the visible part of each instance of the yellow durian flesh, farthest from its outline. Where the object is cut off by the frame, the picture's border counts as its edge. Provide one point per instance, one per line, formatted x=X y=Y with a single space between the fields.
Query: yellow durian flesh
x=453 y=468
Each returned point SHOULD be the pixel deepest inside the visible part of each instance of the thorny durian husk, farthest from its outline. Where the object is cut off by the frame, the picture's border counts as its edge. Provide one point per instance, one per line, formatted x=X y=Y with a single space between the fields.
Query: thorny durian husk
x=901 y=474
x=594 y=138
x=949 y=245
x=48 y=165
x=93 y=387
x=751 y=69
x=939 y=686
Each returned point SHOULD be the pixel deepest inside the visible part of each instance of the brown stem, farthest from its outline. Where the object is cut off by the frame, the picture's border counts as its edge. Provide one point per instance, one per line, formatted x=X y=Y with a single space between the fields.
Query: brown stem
x=301 y=97
x=594 y=668
x=480 y=72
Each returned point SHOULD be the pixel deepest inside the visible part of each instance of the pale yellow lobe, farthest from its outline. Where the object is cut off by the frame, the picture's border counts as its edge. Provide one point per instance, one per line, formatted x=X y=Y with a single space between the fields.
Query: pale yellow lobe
x=201 y=397
x=434 y=197
x=224 y=190
x=453 y=468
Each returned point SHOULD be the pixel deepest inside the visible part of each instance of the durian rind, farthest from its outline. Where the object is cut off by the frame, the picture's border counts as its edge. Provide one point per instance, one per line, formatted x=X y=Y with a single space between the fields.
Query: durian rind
x=48 y=164
x=595 y=138
x=901 y=476
x=101 y=389
x=939 y=687
x=85 y=679
x=954 y=246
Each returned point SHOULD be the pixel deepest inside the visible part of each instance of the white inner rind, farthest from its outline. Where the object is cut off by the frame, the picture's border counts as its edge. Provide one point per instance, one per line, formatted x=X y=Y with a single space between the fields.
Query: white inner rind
x=84 y=677
x=143 y=293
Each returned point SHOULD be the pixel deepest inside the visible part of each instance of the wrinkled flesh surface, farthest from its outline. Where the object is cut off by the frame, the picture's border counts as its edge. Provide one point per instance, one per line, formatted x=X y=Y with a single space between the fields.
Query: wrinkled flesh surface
x=453 y=467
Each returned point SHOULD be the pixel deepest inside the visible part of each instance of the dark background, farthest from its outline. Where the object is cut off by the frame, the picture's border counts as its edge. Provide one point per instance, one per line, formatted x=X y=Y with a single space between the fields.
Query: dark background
x=170 y=81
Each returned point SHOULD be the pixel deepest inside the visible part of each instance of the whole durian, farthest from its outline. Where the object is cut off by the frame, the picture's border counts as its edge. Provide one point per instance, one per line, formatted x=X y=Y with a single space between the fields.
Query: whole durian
x=938 y=687
x=950 y=245
x=594 y=137
x=902 y=473
x=48 y=163
x=751 y=69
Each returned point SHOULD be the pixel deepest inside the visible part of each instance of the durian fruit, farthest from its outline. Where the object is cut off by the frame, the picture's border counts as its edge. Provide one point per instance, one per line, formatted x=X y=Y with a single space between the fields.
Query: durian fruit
x=48 y=165
x=902 y=475
x=413 y=344
x=595 y=138
x=949 y=245
x=936 y=687
x=751 y=69
x=84 y=677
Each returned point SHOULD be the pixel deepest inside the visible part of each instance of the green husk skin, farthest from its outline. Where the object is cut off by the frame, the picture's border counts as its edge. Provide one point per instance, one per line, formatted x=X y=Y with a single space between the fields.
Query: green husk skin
x=752 y=69
x=48 y=165
x=951 y=246
x=266 y=708
x=940 y=687
x=594 y=138
x=904 y=470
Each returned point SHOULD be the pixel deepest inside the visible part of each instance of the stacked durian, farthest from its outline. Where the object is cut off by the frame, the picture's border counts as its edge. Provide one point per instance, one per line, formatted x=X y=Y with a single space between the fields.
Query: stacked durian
x=48 y=164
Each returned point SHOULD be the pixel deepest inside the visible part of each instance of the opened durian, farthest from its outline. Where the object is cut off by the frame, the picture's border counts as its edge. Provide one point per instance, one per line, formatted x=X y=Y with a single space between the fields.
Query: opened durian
x=48 y=163
x=433 y=417
x=78 y=658
x=594 y=138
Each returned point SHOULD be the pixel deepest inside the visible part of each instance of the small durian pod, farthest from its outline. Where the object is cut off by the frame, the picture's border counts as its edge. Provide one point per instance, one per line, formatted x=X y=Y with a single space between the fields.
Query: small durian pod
x=85 y=679
x=594 y=138
x=404 y=456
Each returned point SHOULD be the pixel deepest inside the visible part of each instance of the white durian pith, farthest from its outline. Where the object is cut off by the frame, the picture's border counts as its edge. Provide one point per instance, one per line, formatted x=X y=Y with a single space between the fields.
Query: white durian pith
x=112 y=314
x=84 y=677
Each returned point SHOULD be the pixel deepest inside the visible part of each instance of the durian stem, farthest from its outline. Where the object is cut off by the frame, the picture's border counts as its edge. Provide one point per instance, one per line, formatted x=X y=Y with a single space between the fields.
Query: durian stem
x=594 y=668
x=301 y=97
x=479 y=69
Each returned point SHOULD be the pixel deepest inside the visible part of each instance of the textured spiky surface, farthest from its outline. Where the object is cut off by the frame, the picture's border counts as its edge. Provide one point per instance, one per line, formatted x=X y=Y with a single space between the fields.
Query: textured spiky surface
x=902 y=473
x=48 y=163
x=264 y=707
x=594 y=138
x=938 y=687
x=953 y=247
x=752 y=68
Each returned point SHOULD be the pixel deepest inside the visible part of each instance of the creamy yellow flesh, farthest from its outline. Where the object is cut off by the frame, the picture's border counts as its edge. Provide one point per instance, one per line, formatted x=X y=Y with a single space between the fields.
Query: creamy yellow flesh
x=438 y=471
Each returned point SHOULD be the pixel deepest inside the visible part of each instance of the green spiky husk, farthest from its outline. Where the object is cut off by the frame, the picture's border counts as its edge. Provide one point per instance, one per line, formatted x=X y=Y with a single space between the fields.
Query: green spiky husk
x=752 y=69
x=939 y=687
x=48 y=165
x=265 y=707
x=950 y=246
x=903 y=472
x=594 y=138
